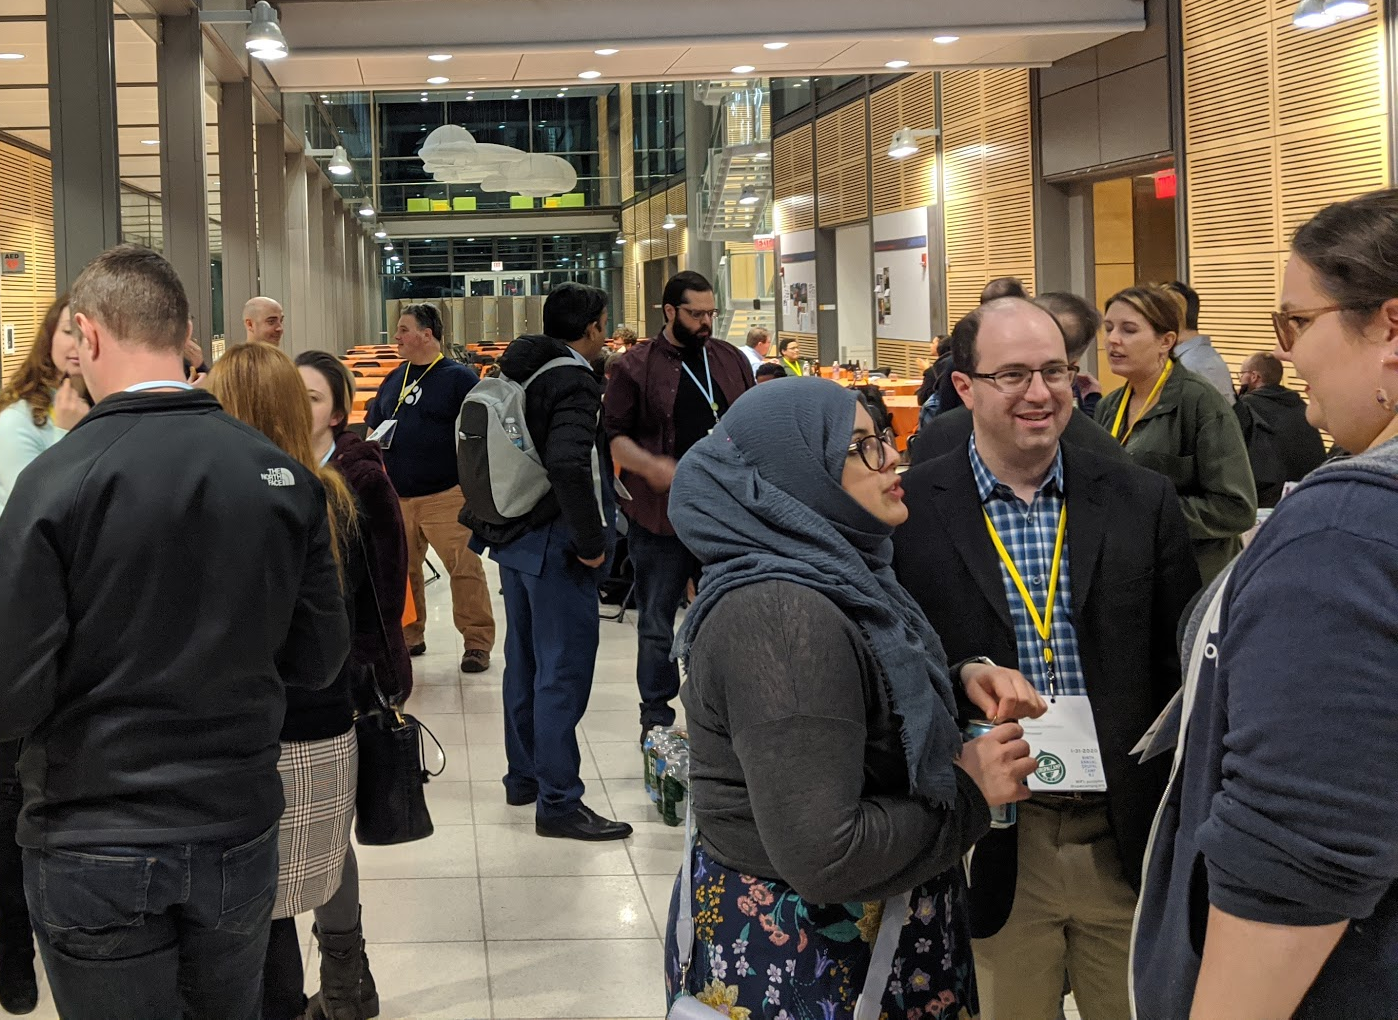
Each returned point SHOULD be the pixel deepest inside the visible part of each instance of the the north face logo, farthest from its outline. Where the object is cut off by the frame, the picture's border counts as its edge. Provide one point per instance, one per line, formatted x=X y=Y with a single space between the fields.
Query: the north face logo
x=278 y=477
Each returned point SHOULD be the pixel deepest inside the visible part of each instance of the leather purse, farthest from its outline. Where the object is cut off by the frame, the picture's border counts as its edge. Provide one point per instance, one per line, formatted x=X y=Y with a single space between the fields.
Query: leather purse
x=391 y=802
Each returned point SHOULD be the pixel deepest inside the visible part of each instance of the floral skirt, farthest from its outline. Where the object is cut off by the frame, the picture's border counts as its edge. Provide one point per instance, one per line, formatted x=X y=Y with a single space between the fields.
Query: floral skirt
x=763 y=953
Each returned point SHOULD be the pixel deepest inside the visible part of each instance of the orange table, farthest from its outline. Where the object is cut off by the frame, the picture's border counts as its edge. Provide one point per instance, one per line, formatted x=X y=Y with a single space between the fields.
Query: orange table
x=904 y=411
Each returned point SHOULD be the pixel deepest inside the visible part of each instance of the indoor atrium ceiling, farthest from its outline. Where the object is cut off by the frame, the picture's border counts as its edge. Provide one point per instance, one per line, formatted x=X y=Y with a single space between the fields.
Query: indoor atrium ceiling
x=24 y=103
x=354 y=45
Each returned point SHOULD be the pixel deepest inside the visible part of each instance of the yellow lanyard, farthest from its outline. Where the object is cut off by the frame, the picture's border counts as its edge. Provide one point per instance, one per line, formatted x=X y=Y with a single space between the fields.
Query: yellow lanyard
x=1042 y=624
x=1150 y=402
x=403 y=393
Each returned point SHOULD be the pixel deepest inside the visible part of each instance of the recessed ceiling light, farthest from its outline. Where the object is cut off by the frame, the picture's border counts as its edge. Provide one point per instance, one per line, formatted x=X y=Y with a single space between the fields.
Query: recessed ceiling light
x=11 y=56
x=744 y=69
x=423 y=99
x=945 y=39
x=439 y=58
x=438 y=80
x=563 y=88
x=607 y=52
x=560 y=95
x=896 y=64
x=774 y=46
x=325 y=95
x=589 y=75
x=150 y=141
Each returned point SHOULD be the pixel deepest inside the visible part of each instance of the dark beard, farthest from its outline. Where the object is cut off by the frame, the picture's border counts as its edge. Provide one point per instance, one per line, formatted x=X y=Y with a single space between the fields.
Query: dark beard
x=689 y=339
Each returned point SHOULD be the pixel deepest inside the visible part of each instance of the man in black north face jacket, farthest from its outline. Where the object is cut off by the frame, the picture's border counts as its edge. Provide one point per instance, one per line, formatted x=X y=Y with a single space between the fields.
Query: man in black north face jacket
x=164 y=570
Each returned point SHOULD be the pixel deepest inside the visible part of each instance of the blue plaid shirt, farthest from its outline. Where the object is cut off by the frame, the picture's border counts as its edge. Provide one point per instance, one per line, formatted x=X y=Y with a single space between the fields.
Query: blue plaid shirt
x=1029 y=534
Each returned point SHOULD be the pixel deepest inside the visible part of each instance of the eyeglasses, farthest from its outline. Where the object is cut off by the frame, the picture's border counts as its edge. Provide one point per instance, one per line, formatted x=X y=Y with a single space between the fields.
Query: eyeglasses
x=1015 y=381
x=873 y=450
x=1290 y=325
x=701 y=313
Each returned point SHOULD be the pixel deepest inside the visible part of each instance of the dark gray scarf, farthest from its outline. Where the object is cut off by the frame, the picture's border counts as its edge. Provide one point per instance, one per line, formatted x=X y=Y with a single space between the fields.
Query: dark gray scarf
x=761 y=500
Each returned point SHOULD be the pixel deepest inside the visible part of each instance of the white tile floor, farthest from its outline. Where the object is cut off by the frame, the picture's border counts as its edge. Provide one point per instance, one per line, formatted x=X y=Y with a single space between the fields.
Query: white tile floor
x=485 y=919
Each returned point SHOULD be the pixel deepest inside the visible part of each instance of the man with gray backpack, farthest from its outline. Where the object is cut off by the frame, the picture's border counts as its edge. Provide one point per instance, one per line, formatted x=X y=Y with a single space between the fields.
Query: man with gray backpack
x=537 y=476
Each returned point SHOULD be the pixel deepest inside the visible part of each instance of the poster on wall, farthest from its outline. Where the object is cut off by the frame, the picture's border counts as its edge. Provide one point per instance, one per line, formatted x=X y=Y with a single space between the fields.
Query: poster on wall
x=797 y=283
x=902 y=287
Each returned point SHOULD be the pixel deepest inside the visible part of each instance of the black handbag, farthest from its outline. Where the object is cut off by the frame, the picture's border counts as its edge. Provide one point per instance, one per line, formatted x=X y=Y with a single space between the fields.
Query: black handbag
x=390 y=805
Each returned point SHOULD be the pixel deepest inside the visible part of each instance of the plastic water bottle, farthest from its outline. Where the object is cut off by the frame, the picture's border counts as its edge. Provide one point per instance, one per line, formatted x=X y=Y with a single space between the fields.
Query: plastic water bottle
x=512 y=431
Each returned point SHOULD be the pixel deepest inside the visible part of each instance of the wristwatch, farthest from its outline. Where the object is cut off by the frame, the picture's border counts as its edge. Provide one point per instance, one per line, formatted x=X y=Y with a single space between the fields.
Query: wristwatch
x=966 y=662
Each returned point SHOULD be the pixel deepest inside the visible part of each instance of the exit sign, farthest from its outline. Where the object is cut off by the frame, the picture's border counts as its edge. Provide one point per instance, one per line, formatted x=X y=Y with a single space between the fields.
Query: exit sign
x=497 y=267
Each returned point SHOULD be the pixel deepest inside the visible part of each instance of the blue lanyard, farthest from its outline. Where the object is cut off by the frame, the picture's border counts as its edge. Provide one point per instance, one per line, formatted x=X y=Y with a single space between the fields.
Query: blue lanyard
x=708 y=393
x=158 y=384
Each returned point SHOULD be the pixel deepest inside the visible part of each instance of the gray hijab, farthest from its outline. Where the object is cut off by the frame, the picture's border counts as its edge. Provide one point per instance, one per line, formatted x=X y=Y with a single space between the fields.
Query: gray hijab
x=761 y=499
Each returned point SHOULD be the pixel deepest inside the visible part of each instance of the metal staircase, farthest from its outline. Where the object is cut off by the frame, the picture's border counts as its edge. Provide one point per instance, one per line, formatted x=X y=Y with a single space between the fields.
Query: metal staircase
x=738 y=179
x=737 y=191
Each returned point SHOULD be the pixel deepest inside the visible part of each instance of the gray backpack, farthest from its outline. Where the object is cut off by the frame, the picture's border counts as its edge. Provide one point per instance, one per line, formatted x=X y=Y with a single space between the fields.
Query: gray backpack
x=502 y=475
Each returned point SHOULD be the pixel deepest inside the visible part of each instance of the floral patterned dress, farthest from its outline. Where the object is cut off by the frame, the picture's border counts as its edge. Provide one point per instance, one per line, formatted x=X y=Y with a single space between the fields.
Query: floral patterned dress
x=762 y=952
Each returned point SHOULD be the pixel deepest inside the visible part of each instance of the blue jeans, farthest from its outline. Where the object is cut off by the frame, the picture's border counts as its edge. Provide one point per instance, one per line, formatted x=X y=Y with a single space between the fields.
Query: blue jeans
x=663 y=569
x=550 y=655
x=155 y=932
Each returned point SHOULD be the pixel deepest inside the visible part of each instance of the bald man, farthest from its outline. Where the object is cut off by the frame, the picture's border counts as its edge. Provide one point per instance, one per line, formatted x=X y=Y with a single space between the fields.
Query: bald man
x=264 y=320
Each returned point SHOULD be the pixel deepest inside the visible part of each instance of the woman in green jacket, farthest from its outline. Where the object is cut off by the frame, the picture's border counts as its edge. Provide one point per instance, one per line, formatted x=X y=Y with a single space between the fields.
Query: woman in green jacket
x=1174 y=422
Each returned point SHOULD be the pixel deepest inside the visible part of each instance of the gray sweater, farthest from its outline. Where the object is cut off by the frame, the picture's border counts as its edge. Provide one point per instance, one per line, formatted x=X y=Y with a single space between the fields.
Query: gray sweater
x=796 y=760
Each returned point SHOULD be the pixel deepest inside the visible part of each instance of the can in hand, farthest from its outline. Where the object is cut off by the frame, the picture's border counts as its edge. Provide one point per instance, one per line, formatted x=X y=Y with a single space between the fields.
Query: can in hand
x=1004 y=816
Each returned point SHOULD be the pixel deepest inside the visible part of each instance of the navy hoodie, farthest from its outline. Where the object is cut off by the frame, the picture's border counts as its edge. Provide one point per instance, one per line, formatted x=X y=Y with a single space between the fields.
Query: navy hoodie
x=1284 y=809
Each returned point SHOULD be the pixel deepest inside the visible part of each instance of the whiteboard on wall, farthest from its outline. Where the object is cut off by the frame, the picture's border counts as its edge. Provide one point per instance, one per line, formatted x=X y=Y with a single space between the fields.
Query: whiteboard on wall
x=796 y=281
x=902 y=287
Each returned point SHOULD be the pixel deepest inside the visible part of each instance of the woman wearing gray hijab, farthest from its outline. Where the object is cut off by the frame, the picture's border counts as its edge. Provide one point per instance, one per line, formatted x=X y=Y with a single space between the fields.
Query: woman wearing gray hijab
x=827 y=771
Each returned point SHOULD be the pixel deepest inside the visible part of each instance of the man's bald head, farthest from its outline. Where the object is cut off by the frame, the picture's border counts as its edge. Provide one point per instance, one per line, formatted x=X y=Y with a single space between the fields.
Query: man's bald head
x=264 y=320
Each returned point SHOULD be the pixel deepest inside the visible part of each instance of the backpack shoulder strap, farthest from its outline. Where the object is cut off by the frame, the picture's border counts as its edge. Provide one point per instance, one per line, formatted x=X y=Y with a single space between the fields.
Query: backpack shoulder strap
x=549 y=366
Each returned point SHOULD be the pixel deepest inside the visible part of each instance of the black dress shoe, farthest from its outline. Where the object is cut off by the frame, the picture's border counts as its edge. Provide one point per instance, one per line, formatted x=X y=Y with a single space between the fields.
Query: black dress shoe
x=418 y=649
x=19 y=991
x=584 y=824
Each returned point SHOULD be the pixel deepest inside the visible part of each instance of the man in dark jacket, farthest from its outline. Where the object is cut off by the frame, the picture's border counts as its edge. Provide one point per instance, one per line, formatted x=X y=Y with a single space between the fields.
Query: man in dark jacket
x=550 y=567
x=1282 y=445
x=664 y=397
x=1073 y=569
x=164 y=570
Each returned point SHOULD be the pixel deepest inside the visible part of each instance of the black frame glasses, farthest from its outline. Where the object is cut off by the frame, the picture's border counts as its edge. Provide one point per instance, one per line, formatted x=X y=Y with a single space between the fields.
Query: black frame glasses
x=1014 y=381
x=885 y=442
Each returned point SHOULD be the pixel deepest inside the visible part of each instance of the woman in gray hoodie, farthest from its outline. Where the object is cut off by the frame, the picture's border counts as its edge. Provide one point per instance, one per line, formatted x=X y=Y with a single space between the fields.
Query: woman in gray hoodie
x=1271 y=885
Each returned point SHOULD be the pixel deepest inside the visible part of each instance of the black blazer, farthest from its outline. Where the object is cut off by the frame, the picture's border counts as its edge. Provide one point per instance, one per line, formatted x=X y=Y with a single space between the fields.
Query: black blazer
x=1133 y=573
x=951 y=430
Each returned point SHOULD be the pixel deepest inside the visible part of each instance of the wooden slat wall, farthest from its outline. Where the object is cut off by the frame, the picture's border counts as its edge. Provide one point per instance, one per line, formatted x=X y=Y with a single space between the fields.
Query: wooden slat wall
x=26 y=224
x=904 y=183
x=642 y=223
x=793 y=180
x=1279 y=122
x=627 y=145
x=842 y=146
x=989 y=183
x=909 y=358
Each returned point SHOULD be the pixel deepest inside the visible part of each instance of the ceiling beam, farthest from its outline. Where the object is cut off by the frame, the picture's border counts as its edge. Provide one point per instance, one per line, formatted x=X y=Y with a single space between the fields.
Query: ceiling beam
x=323 y=28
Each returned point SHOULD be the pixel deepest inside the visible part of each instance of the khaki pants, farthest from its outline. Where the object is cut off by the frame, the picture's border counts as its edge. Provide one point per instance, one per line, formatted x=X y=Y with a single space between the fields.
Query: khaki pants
x=433 y=520
x=1073 y=910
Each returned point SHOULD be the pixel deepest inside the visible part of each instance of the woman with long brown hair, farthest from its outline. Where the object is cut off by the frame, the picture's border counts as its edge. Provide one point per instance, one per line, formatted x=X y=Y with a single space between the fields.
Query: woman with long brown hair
x=45 y=398
x=259 y=385
x=40 y=404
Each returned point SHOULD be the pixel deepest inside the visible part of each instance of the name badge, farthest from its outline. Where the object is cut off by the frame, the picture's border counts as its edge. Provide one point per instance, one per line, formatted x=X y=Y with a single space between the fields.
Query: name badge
x=1064 y=739
x=383 y=435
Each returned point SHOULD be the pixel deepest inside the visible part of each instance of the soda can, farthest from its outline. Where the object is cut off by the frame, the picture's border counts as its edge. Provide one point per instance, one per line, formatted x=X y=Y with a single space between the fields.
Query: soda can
x=1004 y=816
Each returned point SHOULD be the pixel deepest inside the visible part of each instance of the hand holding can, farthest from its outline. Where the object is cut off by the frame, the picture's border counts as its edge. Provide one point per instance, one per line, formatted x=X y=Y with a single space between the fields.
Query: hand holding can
x=999 y=760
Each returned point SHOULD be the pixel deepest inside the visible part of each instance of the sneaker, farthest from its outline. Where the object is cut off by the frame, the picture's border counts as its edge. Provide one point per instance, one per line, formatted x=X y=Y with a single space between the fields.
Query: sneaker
x=418 y=649
x=473 y=660
x=584 y=824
